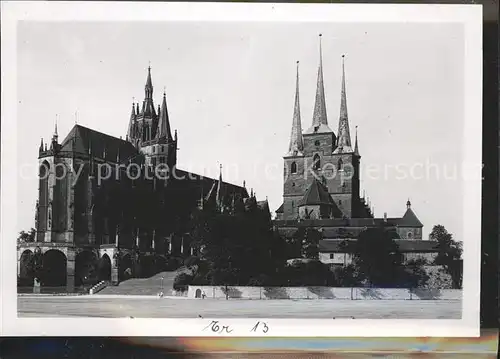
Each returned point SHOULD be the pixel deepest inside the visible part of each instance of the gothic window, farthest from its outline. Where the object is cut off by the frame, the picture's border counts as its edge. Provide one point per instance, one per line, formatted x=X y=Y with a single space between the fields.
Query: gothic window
x=293 y=167
x=43 y=196
x=340 y=164
x=154 y=149
x=293 y=184
x=317 y=162
x=331 y=255
x=316 y=143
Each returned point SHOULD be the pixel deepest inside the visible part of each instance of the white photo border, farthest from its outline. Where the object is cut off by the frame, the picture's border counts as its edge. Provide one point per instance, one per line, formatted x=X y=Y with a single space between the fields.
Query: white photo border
x=469 y=15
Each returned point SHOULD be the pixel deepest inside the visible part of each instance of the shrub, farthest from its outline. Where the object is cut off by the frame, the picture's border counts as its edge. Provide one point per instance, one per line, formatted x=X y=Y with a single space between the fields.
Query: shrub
x=181 y=281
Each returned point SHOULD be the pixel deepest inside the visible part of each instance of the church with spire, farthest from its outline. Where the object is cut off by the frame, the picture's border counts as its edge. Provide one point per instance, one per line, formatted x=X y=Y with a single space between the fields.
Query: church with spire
x=321 y=185
x=115 y=200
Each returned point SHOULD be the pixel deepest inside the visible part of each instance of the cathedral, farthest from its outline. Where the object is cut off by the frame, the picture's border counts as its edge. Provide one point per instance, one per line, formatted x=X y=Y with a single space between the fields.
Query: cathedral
x=322 y=185
x=106 y=199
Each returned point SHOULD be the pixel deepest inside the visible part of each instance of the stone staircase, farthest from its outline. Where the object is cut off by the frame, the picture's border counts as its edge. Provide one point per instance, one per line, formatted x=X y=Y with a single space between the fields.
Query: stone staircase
x=144 y=286
x=98 y=287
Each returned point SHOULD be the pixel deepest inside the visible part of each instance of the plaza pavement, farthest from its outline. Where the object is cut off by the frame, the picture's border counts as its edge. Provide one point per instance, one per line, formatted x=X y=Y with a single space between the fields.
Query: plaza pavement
x=140 y=306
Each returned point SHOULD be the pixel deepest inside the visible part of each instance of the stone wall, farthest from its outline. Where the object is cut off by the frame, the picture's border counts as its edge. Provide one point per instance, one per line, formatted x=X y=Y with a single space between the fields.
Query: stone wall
x=258 y=293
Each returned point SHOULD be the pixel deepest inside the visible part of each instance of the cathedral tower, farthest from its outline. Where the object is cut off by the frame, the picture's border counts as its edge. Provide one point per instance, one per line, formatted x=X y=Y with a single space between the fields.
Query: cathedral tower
x=317 y=158
x=149 y=130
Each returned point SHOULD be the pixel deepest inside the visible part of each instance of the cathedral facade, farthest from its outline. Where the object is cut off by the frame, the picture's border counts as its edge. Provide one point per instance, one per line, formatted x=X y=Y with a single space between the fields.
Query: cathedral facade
x=322 y=184
x=109 y=199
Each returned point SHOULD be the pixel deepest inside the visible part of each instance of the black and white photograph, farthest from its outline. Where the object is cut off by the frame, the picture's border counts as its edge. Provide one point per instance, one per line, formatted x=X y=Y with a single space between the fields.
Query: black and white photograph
x=323 y=169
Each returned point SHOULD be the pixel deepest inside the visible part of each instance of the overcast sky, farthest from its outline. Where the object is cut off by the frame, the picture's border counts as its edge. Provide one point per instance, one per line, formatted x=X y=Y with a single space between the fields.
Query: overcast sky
x=230 y=92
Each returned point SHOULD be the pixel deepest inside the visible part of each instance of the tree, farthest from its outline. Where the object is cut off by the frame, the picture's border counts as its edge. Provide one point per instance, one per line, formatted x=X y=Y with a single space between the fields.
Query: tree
x=414 y=273
x=376 y=257
x=449 y=254
x=27 y=237
x=305 y=243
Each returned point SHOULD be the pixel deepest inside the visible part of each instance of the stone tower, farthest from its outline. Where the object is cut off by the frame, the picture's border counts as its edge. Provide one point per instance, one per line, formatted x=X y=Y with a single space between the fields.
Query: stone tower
x=319 y=155
x=150 y=132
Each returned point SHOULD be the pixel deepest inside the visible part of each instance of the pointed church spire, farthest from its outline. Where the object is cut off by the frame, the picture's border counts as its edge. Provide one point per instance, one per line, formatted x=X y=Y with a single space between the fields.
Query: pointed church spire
x=320 y=122
x=164 y=124
x=55 y=136
x=130 y=132
x=148 y=106
x=356 y=149
x=343 y=135
x=149 y=84
x=296 y=142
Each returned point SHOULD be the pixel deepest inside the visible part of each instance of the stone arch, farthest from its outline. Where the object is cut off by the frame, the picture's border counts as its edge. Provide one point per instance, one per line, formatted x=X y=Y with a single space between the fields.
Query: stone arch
x=198 y=293
x=26 y=268
x=54 y=268
x=85 y=268
x=43 y=197
x=104 y=270
x=126 y=267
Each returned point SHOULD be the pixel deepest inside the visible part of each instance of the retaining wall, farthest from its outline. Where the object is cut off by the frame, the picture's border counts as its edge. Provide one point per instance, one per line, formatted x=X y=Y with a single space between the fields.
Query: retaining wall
x=257 y=293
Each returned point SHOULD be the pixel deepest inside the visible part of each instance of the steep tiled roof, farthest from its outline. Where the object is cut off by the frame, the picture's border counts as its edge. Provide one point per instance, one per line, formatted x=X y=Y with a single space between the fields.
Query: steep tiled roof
x=81 y=138
x=410 y=219
x=316 y=194
x=333 y=246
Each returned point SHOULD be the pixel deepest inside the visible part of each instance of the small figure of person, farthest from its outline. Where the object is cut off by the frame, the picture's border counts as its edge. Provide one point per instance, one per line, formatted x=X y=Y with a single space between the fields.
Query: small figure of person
x=203 y=295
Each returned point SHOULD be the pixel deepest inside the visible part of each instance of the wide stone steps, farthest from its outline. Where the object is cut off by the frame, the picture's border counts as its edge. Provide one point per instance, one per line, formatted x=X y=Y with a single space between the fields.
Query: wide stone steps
x=143 y=286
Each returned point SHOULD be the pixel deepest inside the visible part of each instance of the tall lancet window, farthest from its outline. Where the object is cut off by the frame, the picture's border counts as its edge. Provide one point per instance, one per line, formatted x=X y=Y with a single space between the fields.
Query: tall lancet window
x=340 y=164
x=293 y=167
x=316 y=162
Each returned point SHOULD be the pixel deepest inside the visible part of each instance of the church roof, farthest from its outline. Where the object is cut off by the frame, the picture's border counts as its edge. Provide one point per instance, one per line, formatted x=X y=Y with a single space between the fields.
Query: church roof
x=410 y=219
x=327 y=246
x=316 y=194
x=82 y=140
x=347 y=222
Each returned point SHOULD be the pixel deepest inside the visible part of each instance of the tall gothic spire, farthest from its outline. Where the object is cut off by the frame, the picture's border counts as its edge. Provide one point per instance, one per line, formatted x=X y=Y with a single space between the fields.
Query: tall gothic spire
x=320 y=122
x=343 y=135
x=163 y=123
x=149 y=85
x=296 y=142
x=148 y=109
